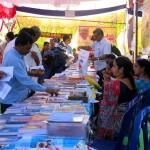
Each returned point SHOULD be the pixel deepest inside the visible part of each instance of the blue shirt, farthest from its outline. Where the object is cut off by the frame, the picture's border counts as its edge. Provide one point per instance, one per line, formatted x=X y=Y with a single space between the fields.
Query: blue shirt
x=21 y=83
x=142 y=84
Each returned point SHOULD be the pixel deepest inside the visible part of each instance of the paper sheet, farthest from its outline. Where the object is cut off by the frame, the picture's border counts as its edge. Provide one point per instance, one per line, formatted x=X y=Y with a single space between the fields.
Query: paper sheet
x=37 y=67
x=9 y=73
x=83 y=61
x=4 y=90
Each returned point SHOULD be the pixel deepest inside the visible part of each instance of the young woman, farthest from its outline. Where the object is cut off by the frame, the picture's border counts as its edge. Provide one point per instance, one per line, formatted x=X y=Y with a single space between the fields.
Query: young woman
x=117 y=94
x=142 y=71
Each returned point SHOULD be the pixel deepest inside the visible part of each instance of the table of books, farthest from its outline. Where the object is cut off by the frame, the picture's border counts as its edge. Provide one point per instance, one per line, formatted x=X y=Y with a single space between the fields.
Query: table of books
x=46 y=121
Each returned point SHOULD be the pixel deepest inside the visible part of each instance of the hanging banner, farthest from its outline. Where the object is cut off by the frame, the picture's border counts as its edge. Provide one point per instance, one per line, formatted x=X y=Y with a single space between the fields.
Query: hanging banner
x=7 y=16
x=146 y=27
x=86 y=32
x=131 y=3
x=7 y=12
x=54 y=35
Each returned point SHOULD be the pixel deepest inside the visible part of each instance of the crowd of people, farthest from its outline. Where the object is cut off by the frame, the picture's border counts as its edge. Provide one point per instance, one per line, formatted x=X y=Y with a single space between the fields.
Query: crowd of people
x=119 y=78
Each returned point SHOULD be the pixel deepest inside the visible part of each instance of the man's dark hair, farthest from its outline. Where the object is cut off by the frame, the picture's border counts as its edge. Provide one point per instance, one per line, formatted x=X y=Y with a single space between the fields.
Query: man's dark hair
x=10 y=35
x=23 y=39
x=45 y=43
x=98 y=31
x=66 y=37
x=27 y=30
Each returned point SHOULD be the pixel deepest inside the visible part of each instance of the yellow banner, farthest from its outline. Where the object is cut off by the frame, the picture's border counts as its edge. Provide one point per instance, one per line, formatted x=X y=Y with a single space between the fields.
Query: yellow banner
x=146 y=27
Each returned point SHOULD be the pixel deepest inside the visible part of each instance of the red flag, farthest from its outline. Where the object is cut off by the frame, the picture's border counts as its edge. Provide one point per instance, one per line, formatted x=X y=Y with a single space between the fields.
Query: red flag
x=6 y=12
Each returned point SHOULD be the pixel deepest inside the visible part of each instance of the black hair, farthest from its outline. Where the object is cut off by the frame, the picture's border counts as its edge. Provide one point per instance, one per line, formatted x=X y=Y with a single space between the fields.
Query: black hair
x=16 y=35
x=98 y=31
x=10 y=35
x=23 y=39
x=28 y=30
x=126 y=64
x=110 y=56
x=45 y=43
x=143 y=63
x=66 y=37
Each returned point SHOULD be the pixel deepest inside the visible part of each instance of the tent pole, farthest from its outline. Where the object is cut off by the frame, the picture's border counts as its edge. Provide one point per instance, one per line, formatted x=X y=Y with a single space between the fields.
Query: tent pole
x=136 y=48
x=135 y=29
x=18 y=22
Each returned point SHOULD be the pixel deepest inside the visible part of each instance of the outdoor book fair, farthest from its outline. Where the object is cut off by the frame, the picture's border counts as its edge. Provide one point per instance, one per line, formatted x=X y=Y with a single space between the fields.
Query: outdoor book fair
x=74 y=74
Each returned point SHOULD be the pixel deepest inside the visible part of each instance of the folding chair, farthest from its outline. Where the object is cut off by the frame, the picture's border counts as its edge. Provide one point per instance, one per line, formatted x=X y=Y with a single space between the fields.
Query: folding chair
x=141 y=122
x=127 y=125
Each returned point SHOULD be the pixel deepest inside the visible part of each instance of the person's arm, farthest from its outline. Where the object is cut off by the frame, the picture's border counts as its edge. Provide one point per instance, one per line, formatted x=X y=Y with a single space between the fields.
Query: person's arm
x=21 y=75
x=103 y=57
x=106 y=52
x=84 y=47
x=38 y=56
x=35 y=57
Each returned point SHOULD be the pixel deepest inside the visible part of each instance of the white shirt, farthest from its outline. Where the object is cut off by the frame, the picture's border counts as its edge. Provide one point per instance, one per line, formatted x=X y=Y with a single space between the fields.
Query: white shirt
x=2 y=46
x=100 y=48
x=29 y=61
x=9 y=46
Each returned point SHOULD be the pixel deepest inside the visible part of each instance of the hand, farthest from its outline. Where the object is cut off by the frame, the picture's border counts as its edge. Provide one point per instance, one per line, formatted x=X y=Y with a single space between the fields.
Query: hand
x=106 y=77
x=2 y=74
x=35 y=57
x=36 y=73
x=52 y=91
x=93 y=58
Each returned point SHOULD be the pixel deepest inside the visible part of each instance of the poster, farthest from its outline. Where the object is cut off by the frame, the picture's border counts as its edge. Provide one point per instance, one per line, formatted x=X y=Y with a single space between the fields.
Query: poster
x=83 y=61
x=86 y=32
x=146 y=27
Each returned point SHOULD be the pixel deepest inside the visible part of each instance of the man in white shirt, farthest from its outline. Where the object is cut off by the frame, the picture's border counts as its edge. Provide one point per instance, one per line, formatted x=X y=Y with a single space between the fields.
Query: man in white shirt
x=34 y=58
x=11 y=44
x=101 y=47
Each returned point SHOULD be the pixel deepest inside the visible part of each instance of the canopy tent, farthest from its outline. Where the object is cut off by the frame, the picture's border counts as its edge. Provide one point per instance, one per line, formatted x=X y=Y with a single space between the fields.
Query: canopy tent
x=76 y=9
x=67 y=8
x=67 y=4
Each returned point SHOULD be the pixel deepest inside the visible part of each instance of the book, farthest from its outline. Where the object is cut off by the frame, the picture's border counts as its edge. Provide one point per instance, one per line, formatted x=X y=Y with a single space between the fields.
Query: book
x=65 y=117
x=9 y=131
x=32 y=128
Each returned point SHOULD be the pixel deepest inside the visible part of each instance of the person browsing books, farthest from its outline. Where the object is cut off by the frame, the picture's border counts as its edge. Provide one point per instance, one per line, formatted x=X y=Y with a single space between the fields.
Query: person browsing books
x=21 y=83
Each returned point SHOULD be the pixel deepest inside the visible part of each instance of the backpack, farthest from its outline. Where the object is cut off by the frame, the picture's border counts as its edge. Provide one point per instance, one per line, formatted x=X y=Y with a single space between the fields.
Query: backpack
x=115 y=50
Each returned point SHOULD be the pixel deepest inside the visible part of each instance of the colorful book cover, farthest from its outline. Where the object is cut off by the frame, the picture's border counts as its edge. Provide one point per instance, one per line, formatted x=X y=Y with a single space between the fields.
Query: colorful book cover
x=9 y=131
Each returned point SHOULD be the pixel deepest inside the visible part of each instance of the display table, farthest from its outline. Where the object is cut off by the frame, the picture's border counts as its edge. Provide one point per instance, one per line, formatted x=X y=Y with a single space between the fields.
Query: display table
x=46 y=121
